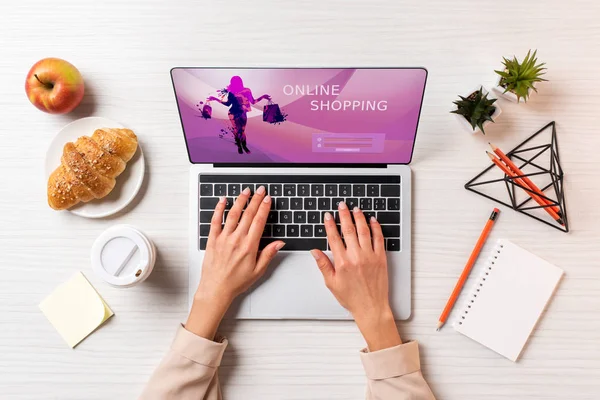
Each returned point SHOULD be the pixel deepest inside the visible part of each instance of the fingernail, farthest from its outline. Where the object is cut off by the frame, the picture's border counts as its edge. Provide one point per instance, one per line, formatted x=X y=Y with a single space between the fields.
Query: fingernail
x=342 y=205
x=246 y=191
x=279 y=246
x=222 y=199
x=260 y=190
x=327 y=216
x=373 y=219
x=267 y=199
x=316 y=255
x=355 y=209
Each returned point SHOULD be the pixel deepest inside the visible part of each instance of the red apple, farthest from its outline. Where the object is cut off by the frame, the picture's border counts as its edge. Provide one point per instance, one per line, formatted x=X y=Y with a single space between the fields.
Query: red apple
x=54 y=86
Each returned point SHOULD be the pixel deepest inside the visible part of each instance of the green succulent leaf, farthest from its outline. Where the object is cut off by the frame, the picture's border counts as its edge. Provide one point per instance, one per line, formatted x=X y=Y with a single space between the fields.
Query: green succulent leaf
x=476 y=108
x=519 y=78
x=480 y=125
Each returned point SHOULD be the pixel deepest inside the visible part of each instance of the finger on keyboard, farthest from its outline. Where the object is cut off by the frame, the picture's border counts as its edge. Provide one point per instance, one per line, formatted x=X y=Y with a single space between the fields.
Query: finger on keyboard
x=248 y=217
x=378 y=240
x=236 y=211
x=362 y=229
x=217 y=217
x=257 y=225
x=249 y=186
x=333 y=236
x=348 y=229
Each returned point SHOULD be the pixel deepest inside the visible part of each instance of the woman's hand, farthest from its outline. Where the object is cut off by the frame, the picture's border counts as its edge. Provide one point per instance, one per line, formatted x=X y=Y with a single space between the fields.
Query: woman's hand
x=232 y=262
x=358 y=277
x=264 y=96
x=212 y=98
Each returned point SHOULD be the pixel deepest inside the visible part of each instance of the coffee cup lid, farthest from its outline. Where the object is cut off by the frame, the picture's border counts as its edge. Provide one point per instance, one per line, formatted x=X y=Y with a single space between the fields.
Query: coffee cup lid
x=122 y=256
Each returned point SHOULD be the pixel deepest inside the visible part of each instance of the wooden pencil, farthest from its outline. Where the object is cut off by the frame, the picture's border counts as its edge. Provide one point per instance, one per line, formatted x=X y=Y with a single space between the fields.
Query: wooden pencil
x=526 y=179
x=467 y=270
x=521 y=182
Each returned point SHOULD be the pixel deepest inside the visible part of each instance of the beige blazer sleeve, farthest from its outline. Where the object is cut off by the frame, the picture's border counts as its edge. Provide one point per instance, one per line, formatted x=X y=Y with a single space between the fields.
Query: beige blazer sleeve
x=188 y=371
x=395 y=374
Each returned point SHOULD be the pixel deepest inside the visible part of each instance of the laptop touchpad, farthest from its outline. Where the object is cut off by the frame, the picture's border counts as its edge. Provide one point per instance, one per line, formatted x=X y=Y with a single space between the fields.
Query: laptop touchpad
x=293 y=287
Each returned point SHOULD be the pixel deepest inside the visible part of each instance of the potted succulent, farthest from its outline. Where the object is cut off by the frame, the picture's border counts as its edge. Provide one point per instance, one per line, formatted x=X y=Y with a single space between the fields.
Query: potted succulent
x=476 y=110
x=516 y=81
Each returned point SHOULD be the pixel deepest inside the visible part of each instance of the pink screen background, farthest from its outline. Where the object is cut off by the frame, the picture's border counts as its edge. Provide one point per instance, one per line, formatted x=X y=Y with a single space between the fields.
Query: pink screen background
x=295 y=140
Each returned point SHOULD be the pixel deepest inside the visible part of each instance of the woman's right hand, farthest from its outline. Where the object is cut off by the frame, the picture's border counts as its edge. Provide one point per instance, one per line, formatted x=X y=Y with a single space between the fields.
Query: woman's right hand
x=358 y=276
x=212 y=98
x=232 y=262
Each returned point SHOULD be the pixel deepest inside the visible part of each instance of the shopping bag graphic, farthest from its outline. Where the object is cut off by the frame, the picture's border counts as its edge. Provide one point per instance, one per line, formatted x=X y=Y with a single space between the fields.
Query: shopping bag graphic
x=272 y=113
x=207 y=111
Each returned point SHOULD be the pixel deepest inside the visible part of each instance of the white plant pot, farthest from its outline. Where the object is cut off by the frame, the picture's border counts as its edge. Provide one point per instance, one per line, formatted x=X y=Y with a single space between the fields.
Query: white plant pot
x=499 y=90
x=467 y=126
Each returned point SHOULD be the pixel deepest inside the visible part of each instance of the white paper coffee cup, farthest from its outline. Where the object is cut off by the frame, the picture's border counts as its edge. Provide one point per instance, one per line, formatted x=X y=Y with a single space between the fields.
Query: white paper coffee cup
x=123 y=256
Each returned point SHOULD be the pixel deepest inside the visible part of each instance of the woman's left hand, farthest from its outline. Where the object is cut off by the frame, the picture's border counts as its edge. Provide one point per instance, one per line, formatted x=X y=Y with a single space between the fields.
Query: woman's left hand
x=232 y=262
x=268 y=97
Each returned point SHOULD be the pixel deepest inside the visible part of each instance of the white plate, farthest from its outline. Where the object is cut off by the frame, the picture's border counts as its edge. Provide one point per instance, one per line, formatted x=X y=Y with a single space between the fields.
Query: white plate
x=128 y=183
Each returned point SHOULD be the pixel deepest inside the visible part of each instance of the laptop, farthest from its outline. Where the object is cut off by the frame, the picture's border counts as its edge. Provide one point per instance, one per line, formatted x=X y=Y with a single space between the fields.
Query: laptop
x=313 y=137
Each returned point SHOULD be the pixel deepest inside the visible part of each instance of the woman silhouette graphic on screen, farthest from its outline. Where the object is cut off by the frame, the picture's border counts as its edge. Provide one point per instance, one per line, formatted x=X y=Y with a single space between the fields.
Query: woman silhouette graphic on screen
x=240 y=101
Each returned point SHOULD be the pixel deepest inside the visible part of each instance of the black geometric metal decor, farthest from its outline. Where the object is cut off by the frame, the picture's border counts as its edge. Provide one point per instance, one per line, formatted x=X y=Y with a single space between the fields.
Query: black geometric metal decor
x=529 y=160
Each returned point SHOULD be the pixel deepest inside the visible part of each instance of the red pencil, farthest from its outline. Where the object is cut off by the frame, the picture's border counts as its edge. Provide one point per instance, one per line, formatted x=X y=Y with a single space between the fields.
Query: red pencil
x=467 y=270
x=520 y=181
x=526 y=179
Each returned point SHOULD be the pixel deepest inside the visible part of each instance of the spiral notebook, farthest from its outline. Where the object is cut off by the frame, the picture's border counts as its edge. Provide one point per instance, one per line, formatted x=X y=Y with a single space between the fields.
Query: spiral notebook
x=507 y=300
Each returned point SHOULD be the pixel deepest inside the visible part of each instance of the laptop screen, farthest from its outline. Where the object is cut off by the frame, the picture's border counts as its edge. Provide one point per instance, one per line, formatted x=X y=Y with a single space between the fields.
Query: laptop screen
x=299 y=115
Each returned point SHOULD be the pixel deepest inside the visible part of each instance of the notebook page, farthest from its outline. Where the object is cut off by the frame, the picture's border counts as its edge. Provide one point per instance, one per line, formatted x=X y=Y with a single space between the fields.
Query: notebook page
x=505 y=304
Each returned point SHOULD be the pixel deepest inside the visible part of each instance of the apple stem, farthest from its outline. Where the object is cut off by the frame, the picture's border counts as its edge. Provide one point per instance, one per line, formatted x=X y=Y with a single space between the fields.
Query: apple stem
x=48 y=85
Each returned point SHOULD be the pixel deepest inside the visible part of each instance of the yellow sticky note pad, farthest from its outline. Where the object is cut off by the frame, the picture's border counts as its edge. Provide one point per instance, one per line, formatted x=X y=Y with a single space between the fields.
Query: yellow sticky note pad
x=75 y=309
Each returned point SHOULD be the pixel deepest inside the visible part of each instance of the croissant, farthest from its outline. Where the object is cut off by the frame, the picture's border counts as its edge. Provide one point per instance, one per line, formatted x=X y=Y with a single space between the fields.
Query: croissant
x=89 y=166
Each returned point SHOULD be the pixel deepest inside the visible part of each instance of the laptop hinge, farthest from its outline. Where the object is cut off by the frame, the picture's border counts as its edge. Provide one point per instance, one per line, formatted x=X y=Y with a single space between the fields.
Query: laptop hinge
x=288 y=165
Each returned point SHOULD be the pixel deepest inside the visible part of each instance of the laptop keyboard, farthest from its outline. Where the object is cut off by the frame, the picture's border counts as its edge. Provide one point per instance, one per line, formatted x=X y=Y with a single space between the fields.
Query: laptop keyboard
x=300 y=202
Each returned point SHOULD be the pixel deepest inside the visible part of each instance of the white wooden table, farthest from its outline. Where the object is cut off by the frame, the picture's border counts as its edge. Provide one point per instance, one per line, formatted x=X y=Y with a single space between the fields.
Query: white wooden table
x=125 y=50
